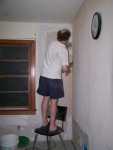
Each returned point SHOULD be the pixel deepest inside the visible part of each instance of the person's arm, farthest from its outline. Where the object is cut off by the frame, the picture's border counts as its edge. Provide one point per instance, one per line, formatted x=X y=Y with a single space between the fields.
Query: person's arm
x=67 y=69
x=66 y=66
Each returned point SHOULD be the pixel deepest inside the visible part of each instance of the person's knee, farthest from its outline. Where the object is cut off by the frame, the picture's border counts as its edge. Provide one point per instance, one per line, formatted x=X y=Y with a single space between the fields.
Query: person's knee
x=53 y=102
x=44 y=98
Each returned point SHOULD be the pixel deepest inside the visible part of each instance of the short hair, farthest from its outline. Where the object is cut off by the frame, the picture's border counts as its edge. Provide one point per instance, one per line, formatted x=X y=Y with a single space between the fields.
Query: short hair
x=63 y=35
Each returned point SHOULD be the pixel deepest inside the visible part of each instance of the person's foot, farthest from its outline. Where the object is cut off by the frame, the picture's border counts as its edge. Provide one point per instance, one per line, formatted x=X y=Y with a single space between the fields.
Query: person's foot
x=44 y=127
x=54 y=131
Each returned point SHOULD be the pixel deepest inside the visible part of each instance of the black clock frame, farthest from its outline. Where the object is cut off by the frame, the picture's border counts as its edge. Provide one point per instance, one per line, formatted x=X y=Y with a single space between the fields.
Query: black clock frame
x=99 y=25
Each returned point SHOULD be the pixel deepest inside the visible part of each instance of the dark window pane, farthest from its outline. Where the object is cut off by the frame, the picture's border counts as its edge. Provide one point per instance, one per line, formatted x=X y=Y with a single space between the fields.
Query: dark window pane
x=13 y=84
x=12 y=100
x=13 y=68
x=17 y=85
x=13 y=52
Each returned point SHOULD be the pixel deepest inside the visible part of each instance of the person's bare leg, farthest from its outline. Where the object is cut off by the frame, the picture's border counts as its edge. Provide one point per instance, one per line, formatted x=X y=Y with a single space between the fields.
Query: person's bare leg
x=44 y=109
x=53 y=110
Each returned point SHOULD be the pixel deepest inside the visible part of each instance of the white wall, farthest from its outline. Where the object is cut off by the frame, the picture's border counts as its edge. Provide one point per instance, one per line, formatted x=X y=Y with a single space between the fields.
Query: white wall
x=38 y=32
x=93 y=75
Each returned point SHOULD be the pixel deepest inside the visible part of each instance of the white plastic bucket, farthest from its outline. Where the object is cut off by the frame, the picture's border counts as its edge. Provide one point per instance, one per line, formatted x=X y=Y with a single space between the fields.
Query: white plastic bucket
x=9 y=142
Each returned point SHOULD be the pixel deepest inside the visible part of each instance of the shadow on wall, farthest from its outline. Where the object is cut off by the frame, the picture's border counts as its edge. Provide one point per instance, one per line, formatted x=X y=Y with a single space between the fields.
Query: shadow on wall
x=80 y=138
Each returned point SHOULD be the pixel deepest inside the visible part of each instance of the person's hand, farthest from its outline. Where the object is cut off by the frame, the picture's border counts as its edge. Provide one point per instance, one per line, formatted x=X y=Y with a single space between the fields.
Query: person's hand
x=67 y=72
x=67 y=69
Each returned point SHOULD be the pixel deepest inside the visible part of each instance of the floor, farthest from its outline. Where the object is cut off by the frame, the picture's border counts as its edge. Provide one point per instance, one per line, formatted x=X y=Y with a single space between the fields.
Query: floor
x=54 y=146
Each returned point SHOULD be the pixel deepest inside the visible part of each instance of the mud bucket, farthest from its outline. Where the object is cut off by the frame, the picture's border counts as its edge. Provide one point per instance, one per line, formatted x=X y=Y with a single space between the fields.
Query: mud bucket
x=9 y=142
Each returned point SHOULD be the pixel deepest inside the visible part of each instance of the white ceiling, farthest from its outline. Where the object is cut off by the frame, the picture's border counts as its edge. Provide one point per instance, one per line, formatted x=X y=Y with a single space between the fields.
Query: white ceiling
x=39 y=10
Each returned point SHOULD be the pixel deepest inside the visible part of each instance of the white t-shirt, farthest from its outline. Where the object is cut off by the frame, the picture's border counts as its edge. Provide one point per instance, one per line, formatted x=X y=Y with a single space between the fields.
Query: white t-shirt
x=56 y=57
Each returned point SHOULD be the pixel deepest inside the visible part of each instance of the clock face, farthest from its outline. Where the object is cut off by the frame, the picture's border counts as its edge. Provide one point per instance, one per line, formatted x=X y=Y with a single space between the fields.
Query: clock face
x=96 y=25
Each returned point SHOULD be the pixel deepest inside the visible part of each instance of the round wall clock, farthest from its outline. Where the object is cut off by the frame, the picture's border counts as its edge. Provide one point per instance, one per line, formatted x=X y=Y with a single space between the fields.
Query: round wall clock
x=96 y=25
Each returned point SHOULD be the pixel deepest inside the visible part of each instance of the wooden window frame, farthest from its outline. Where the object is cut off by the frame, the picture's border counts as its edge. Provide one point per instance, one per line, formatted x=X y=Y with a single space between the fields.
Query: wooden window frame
x=30 y=109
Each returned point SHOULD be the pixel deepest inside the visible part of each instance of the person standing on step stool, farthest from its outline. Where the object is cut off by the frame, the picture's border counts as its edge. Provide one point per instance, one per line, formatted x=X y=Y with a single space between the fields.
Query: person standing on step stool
x=50 y=81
